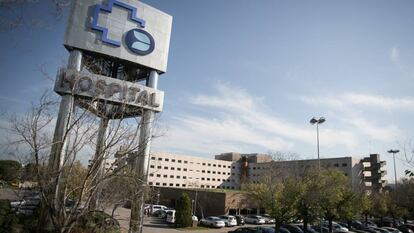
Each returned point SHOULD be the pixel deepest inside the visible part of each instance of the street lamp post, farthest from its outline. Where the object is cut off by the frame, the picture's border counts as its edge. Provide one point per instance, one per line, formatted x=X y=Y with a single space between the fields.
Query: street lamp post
x=314 y=121
x=393 y=152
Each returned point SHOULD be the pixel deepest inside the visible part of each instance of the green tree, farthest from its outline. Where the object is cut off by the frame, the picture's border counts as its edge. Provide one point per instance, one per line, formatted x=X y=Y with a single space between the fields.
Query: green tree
x=380 y=205
x=335 y=191
x=183 y=214
x=9 y=170
x=365 y=206
x=307 y=206
x=278 y=196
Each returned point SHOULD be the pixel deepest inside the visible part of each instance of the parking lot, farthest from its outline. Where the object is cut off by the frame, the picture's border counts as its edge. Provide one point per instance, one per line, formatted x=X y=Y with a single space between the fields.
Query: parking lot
x=157 y=225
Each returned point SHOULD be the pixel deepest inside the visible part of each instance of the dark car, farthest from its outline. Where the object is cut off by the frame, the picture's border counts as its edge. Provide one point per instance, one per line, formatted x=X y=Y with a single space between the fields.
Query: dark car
x=318 y=229
x=404 y=229
x=292 y=228
x=240 y=220
x=244 y=230
x=308 y=230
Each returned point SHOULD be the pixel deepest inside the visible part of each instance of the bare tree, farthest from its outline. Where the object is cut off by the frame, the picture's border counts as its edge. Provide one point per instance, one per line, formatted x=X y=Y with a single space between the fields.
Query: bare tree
x=33 y=132
x=17 y=13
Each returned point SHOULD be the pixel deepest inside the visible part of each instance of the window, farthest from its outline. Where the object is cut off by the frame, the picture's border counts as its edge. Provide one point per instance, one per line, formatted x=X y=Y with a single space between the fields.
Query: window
x=151 y=174
x=208 y=186
x=228 y=173
x=172 y=168
x=214 y=165
x=150 y=183
x=184 y=177
x=208 y=171
x=214 y=172
x=172 y=160
x=209 y=164
x=202 y=178
x=152 y=166
x=208 y=178
x=159 y=159
x=179 y=161
x=166 y=160
x=166 y=168
x=159 y=167
x=336 y=165
x=214 y=179
x=183 y=185
x=213 y=187
x=152 y=158
x=344 y=165
x=228 y=167
x=233 y=167
x=178 y=169
x=165 y=176
x=171 y=184
x=157 y=183
x=178 y=177
x=203 y=171
x=185 y=161
x=219 y=173
x=202 y=186
x=177 y=185
x=171 y=176
x=164 y=184
x=219 y=165
x=185 y=169
x=158 y=175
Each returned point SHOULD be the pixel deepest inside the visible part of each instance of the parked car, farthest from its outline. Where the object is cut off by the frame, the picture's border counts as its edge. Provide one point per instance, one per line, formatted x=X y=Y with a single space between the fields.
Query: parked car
x=380 y=229
x=268 y=219
x=240 y=220
x=404 y=229
x=336 y=227
x=229 y=220
x=212 y=221
x=392 y=230
x=411 y=226
x=293 y=228
x=320 y=229
x=170 y=216
x=254 y=219
x=243 y=230
x=308 y=230
x=154 y=208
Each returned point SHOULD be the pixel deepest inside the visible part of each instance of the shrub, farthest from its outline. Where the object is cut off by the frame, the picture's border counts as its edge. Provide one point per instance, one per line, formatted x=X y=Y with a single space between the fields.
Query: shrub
x=183 y=214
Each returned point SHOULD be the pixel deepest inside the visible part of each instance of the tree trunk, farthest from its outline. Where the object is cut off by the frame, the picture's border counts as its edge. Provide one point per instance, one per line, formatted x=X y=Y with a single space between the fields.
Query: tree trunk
x=330 y=224
x=277 y=226
x=305 y=224
x=366 y=219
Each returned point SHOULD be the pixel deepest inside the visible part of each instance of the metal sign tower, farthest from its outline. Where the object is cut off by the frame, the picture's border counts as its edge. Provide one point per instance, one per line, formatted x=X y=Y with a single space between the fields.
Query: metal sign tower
x=131 y=37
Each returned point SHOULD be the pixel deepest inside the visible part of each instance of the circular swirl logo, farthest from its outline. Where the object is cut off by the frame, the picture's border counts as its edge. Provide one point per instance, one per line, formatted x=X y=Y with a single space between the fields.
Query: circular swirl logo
x=139 y=42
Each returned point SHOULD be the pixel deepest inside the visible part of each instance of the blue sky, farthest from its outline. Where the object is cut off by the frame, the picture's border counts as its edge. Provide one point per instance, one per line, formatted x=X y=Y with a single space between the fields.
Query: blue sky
x=247 y=76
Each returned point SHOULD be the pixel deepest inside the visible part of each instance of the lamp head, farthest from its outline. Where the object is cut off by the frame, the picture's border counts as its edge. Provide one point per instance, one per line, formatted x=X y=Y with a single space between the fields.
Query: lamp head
x=313 y=121
x=321 y=120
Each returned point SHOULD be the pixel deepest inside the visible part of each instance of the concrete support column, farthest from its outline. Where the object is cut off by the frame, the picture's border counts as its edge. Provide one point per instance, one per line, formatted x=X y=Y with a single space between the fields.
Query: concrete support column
x=142 y=161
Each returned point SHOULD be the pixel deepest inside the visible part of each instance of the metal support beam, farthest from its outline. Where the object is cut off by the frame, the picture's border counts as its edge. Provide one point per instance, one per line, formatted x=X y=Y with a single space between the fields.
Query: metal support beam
x=62 y=126
x=98 y=166
x=141 y=162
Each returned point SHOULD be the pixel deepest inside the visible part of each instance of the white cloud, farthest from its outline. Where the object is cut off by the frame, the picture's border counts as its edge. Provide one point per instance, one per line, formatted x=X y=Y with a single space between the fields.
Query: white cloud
x=243 y=125
x=349 y=108
x=362 y=100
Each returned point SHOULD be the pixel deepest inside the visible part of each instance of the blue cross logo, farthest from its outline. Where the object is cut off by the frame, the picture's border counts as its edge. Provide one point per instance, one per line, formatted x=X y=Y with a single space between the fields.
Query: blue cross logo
x=138 y=41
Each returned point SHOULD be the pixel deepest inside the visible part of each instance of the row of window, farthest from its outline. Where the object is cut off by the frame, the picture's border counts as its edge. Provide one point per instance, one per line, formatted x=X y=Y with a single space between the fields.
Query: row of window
x=184 y=185
x=186 y=162
x=185 y=177
x=185 y=169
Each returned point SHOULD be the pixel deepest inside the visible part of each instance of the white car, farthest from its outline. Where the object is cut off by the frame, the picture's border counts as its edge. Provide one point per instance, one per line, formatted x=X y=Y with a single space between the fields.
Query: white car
x=229 y=221
x=154 y=208
x=212 y=222
x=268 y=219
x=255 y=219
